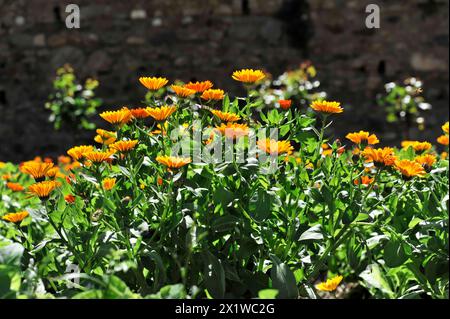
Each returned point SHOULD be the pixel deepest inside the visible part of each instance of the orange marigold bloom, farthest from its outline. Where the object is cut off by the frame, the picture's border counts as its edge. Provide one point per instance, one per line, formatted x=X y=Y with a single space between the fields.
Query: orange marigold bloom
x=445 y=127
x=226 y=116
x=105 y=137
x=36 y=169
x=118 y=117
x=417 y=146
x=426 y=160
x=364 y=180
x=42 y=189
x=70 y=199
x=159 y=181
x=274 y=147
x=99 y=156
x=173 y=161
x=77 y=152
x=6 y=177
x=15 y=187
x=153 y=83
x=409 y=168
x=139 y=113
x=212 y=94
x=248 y=75
x=444 y=155
x=362 y=137
x=62 y=159
x=330 y=284
x=443 y=139
x=161 y=113
x=123 y=146
x=285 y=104
x=54 y=172
x=380 y=156
x=199 y=87
x=327 y=107
x=15 y=217
x=233 y=130
x=182 y=91
x=108 y=183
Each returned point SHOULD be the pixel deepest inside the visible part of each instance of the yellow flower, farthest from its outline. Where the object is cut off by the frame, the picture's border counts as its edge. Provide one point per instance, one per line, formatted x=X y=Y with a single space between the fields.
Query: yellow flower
x=182 y=91
x=445 y=127
x=123 y=146
x=42 y=189
x=426 y=160
x=139 y=113
x=443 y=139
x=15 y=187
x=233 y=130
x=173 y=161
x=274 y=147
x=99 y=156
x=362 y=137
x=77 y=152
x=330 y=284
x=199 y=87
x=153 y=83
x=212 y=94
x=327 y=107
x=36 y=169
x=161 y=113
x=409 y=168
x=105 y=137
x=2 y=164
x=15 y=217
x=417 y=146
x=108 y=183
x=248 y=75
x=119 y=117
x=226 y=116
x=380 y=156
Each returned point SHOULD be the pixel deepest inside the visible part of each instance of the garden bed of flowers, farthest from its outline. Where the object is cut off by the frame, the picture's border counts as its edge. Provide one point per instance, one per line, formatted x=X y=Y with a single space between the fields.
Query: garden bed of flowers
x=198 y=194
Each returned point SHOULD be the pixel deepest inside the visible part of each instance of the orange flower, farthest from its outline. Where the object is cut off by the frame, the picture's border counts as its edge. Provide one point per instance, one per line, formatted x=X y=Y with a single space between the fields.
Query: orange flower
x=43 y=189
x=426 y=161
x=105 y=137
x=54 y=172
x=444 y=155
x=123 y=146
x=15 y=217
x=330 y=284
x=417 y=146
x=35 y=169
x=445 y=127
x=443 y=139
x=15 y=187
x=274 y=147
x=108 y=183
x=70 y=199
x=409 y=168
x=233 y=130
x=182 y=91
x=327 y=107
x=248 y=75
x=199 y=87
x=364 y=180
x=285 y=104
x=173 y=161
x=226 y=116
x=139 y=113
x=161 y=113
x=78 y=152
x=64 y=160
x=118 y=117
x=362 y=137
x=99 y=156
x=380 y=156
x=212 y=94
x=153 y=83
x=159 y=181
x=6 y=177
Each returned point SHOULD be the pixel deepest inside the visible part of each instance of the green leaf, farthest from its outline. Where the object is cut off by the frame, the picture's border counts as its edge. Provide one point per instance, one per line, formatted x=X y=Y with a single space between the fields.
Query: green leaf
x=11 y=254
x=268 y=294
x=394 y=253
x=313 y=233
x=214 y=276
x=283 y=280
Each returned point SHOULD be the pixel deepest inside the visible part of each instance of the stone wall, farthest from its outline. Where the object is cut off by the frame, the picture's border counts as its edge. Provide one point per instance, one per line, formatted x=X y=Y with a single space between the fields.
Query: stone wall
x=121 y=40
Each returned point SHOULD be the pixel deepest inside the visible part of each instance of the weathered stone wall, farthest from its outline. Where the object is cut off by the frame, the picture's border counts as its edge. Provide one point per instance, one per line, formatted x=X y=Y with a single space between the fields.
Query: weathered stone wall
x=120 y=40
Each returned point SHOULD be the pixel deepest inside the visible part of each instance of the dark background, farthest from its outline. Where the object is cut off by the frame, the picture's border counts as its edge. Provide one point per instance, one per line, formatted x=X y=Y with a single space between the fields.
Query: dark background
x=196 y=40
